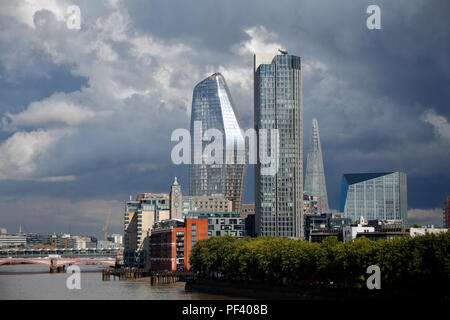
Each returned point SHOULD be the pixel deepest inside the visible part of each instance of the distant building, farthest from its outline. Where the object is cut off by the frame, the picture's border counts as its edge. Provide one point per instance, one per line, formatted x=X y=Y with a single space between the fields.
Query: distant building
x=247 y=209
x=102 y=244
x=423 y=231
x=141 y=215
x=319 y=226
x=171 y=243
x=374 y=196
x=310 y=204
x=361 y=227
x=376 y=229
x=116 y=238
x=206 y=203
x=248 y=214
x=315 y=175
x=222 y=223
x=12 y=241
x=446 y=223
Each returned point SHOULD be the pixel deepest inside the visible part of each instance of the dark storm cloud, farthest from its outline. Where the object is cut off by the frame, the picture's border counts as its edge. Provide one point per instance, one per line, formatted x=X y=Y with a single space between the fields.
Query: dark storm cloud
x=90 y=113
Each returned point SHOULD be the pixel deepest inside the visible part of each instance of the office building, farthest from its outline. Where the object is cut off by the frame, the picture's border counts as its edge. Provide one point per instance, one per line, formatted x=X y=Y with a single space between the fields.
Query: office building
x=13 y=241
x=320 y=226
x=222 y=223
x=374 y=196
x=315 y=185
x=223 y=174
x=141 y=215
x=278 y=108
x=139 y=218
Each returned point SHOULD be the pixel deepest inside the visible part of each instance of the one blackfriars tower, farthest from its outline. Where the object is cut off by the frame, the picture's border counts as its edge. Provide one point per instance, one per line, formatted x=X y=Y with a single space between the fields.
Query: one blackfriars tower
x=278 y=108
x=214 y=123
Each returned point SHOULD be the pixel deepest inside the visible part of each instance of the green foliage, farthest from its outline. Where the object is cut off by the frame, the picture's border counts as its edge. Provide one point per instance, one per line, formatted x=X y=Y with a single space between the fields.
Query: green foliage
x=403 y=261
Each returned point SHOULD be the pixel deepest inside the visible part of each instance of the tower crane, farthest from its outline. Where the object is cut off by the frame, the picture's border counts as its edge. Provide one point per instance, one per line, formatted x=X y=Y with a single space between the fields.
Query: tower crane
x=105 y=226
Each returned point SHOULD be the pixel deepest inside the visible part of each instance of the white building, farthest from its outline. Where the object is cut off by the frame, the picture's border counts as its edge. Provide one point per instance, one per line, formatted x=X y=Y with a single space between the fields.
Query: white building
x=117 y=238
x=12 y=241
x=351 y=231
x=422 y=231
x=102 y=244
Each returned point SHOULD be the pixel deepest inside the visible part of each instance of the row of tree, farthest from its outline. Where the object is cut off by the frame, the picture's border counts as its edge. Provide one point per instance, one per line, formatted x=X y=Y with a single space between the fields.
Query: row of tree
x=421 y=261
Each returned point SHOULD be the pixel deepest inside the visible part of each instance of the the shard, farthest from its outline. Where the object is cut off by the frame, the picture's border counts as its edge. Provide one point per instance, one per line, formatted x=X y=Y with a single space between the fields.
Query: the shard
x=213 y=111
x=315 y=176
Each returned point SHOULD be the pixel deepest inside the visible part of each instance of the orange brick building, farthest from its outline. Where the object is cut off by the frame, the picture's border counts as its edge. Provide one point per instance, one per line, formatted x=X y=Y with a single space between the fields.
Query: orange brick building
x=171 y=243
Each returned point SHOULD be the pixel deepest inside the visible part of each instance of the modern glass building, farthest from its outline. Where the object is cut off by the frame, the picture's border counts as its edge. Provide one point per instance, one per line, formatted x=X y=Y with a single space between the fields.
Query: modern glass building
x=374 y=196
x=213 y=108
x=315 y=185
x=278 y=106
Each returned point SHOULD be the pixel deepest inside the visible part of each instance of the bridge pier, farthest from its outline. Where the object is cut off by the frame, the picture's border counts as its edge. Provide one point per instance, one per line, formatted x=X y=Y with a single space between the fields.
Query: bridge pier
x=54 y=269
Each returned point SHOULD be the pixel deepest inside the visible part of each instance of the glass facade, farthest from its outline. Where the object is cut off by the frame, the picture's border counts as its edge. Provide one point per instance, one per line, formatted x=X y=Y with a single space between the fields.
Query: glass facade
x=374 y=196
x=315 y=175
x=213 y=106
x=279 y=197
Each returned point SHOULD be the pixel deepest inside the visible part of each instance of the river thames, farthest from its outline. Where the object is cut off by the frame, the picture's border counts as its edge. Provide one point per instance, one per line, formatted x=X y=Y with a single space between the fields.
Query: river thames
x=28 y=281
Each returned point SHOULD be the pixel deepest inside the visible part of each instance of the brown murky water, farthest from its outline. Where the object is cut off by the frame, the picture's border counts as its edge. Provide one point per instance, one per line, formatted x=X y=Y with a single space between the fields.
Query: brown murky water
x=35 y=282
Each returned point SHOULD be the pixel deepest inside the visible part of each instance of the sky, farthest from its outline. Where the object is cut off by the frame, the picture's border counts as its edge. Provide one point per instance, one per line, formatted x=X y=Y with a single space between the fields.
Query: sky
x=86 y=115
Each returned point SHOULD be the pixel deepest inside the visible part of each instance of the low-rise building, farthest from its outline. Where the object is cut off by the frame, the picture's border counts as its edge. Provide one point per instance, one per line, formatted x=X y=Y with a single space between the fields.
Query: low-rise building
x=13 y=240
x=222 y=223
x=318 y=226
x=171 y=242
x=423 y=231
x=102 y=244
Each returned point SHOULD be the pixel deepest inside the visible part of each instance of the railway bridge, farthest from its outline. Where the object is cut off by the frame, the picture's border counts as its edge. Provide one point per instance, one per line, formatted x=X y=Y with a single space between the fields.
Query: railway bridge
x=58 y=259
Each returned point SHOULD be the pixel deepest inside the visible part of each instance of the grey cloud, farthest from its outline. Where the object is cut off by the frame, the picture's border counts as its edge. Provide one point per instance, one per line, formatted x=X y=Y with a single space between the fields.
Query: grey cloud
x=137 y=63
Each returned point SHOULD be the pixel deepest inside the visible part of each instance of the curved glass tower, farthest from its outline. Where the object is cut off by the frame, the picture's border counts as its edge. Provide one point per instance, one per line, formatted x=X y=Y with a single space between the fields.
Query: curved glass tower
x=213 y=117
x=315 y=176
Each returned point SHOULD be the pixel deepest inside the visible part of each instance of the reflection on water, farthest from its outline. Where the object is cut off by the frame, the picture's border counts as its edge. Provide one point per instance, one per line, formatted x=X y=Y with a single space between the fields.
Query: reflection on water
x=36 y=282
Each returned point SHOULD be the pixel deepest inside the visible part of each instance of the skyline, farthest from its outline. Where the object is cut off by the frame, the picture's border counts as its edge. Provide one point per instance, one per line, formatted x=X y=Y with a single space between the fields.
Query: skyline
x=86 y=115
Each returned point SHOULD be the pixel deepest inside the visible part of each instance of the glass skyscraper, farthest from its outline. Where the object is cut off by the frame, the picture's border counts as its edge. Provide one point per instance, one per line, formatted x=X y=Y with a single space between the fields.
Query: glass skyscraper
x=213 y=108
x=374 y=196
x=315 y=175
x=278 y=106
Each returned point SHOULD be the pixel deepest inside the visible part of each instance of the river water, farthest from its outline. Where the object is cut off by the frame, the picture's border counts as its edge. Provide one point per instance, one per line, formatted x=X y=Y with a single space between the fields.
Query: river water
x=28 y=281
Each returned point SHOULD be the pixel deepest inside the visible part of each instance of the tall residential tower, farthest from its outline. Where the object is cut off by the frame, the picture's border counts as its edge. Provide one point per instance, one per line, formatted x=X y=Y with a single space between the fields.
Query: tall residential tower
x=278 y=106
x=223 y=172
x=315 y=176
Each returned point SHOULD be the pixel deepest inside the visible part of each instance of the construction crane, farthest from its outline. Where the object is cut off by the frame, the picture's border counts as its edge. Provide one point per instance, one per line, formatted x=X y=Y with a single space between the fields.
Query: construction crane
x=105 y=226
